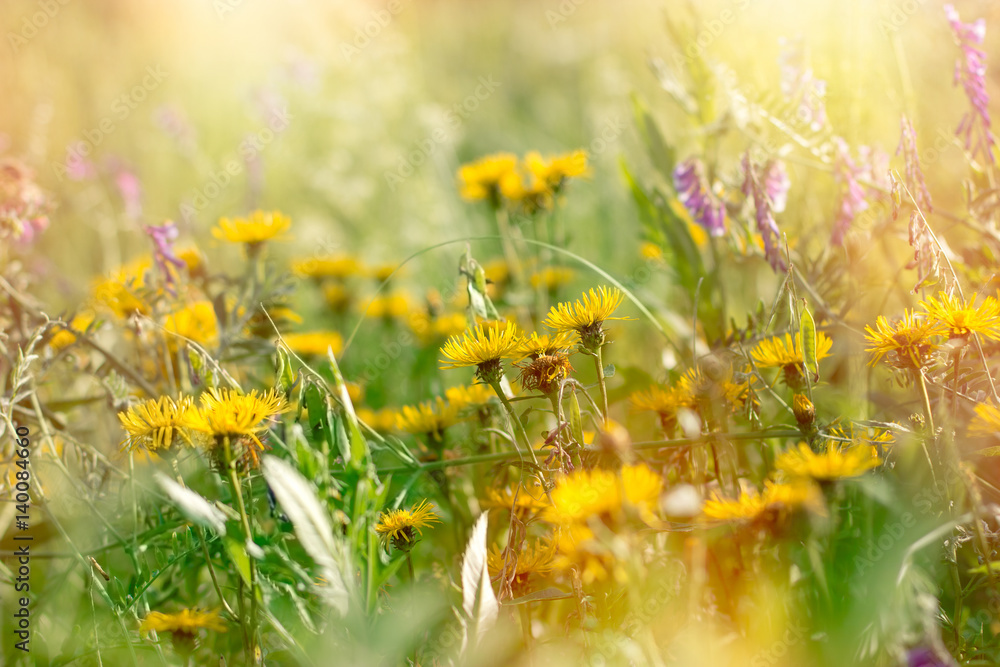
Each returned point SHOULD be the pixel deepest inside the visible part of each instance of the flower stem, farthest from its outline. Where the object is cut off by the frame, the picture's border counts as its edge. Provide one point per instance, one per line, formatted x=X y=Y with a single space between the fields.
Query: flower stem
x=234 y=482
x=599 y=362
x=519 y=435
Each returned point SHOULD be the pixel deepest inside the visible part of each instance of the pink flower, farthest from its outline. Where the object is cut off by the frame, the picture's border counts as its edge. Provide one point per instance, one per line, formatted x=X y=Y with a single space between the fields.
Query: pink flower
x=970 y=71
x=692 y=189
x=764 y=207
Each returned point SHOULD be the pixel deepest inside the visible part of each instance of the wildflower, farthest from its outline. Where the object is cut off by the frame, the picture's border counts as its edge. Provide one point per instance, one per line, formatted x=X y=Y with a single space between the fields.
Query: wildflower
x=383 y=272
x=537 y=346
x=316 y=343
x=65 y=336
x=430 y=418
x=776 y=502
x=480 y=180
x=666 y=403
x=651 y=251
x=776 y=184
x=24 y=207
x=253 y=231
x=578 y=548
x=786 y=353
x=382 y=421
x=466 y=396
x=526 y=500
x=875 y=440
x=961 y=319
x=545 y=372
x=388 y=307
x=601 y=493
x=398 y=526
x=157 y=424
x=130 y=190
x=972 y=74
x=804 y=410
x=227 y=415
x=193 y=259
x=331 y=266
x=911 y=157
x=555 y=170
x=833 y=464
x=528 y=196
x=714 y=381
x=185 y=622
x=763 y=207
x=907 y=341
x=195 y=322
x=587 y=315
x=852 y=195
x=484 y=347
x=552 y=278
x=986 y=422
x=705 y=208
x=163 y=237
x=123 y=299
x=800 y=86
x=533 y=558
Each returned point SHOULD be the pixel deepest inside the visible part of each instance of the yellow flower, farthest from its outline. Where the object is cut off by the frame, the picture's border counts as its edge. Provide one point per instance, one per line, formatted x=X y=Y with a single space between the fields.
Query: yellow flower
x=545 y=345
x=874 y=439
x=587 y=315
x=771 y=505
x=650 y=250
x=314 y=342
x=530 y=499
x=907 y=341
x=430 y=418
x=122 y=300
x=226 y=413
x=544 y=372
x=185 y=622
x=533 y=558
x=157 y=423
x=583 y=494
x=391 y=306
x=261 y=226
x=466 y=396
x=578 y=548
x=481 y=179
x=781 y=352
x=833 y=464
x=397 y=526
x=962 y=318
x=65 y=336
x=483 y=346
x=557 y=169
x=382 y=421
x=337 y=297
x=194 y=322
x=803 y=409
x=666 y=403
x=986 y=423
x=193 y=259
x=528 y=196
x=330 y=266
x=552 y=278
x=382 y=272
x=430 y=328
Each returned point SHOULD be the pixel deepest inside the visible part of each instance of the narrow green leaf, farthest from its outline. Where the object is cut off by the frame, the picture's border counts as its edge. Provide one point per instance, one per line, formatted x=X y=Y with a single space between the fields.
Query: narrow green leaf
x=538 y=596
x=807 y=331
x=239 y=557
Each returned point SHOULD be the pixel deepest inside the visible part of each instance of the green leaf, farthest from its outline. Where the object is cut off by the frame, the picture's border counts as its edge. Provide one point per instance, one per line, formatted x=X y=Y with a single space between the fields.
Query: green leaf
x=575 y=418
x=807 y=331
x=238 y=554
x=609 y=371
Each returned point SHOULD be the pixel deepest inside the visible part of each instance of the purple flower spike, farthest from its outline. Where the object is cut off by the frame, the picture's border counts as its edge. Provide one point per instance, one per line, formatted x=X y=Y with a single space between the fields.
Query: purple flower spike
x=914 y=174
x=776 y=184
x=692 y=190
x=852 y=195
x=764 y=207
x=970 y=71
x=163 y=237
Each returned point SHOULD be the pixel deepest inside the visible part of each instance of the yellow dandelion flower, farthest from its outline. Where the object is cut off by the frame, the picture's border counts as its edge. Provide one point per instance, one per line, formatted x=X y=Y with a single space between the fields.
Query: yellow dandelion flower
x=481 y=179
x=382 y=421
x=517 y=566
x=398 y=526
x=195 y=322
x=986 y=422
x=782 y=351
x=555 y=170
x=122 y=300
x=583 y=494
x=587 y=315
x=184 y=622
x=527 y=499
x=329 y=266
x=545 y=345
x=748 y=507
x=483 y=346
x=803 y=409
x=666 y=402
x=774 y=503
x=527 y=195
x=907 y=341
x=388 y=307
x=315 y=343
x=961 y=318
x=259 y=227
x=193 y=259
x=157 y=423
x=833 y=464
x=578 y=548
x=337 y=297
x=430 y=418
x=469 y=396
x=552 y=278
x=875 y=439
x=226 y=413
x=545 y=372
x=66 y=336
x=651 y=251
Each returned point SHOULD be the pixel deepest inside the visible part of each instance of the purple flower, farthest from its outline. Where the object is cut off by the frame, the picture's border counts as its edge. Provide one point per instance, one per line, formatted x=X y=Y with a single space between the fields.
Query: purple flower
x=24 y=206
x=914 y=175
x=163 y=237
x=799 y=86
x=692 y=190
x=852 y=195
x=924 y=656
x=975 y=124
x=764 y=207
x=776 y=184
x=131 y=192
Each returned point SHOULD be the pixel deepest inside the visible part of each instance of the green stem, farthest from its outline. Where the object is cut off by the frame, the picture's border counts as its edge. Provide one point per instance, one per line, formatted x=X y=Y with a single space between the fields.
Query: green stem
x=519 y=434
x=599 y=362
x=234 y=482
x=526 y=624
